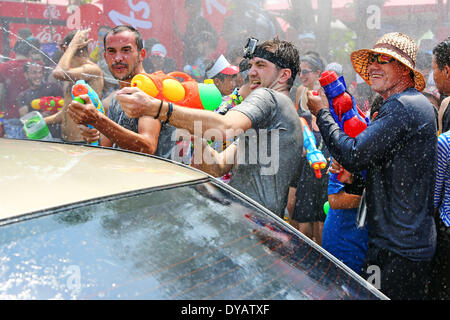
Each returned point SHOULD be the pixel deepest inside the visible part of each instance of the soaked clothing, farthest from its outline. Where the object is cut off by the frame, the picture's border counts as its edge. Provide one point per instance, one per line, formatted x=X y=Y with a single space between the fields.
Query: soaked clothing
x=398 y=150
x=264 y=172
x=165 y=142
x=311 y=192
x=341 y=237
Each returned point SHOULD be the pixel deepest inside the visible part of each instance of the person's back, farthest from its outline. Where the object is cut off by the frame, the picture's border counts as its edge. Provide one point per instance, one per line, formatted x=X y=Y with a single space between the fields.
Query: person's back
x=260 y=176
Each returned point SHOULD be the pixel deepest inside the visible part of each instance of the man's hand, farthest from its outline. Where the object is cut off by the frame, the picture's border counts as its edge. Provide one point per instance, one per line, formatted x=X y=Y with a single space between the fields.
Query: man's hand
x=89 y=135
x=317 y=102
x=135 y=103
x=83 y=113
x=80 y=39
x=336 y=168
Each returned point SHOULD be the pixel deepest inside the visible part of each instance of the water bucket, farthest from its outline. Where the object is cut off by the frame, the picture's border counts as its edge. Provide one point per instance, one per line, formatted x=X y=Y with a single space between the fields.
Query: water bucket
x=35 y=127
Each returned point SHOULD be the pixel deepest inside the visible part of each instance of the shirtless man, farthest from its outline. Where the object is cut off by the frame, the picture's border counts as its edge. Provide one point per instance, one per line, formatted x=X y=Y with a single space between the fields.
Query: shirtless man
x=123 y=54
x=74 y=65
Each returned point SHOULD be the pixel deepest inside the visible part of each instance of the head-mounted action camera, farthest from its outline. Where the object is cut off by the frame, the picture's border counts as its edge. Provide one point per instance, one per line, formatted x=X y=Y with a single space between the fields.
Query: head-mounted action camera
x=251 y=50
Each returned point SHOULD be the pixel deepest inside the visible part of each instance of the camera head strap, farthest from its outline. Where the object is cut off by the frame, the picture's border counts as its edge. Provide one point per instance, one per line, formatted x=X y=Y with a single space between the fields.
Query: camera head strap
x=252 y=50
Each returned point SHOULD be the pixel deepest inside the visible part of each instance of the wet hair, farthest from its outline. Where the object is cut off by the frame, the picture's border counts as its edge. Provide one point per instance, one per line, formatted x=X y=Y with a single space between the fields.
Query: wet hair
x=314 y=60
x=123 y=28
x=21 y=47
x=287 y=52
x=442 y=54
x=68 y=39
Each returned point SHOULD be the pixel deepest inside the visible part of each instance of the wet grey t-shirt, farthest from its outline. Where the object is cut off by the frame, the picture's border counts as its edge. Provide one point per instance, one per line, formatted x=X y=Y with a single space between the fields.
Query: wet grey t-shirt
x=269 y=153
x=165 y=141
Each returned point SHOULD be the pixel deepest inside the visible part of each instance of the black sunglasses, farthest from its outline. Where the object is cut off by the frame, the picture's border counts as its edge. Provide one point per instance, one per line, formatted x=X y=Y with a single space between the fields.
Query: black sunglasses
x=305 y=72
x=380 y=58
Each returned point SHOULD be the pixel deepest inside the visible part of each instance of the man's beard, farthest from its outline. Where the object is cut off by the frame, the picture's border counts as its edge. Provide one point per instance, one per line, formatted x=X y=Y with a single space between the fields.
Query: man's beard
x=130 y=75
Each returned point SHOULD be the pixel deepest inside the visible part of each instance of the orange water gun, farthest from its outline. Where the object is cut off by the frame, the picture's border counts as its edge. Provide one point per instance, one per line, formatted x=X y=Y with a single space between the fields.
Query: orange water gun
x=48 y=104
x=188 y=93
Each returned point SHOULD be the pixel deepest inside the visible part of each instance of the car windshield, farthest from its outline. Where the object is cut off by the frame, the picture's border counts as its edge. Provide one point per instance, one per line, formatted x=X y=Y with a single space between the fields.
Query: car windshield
x=197 y=241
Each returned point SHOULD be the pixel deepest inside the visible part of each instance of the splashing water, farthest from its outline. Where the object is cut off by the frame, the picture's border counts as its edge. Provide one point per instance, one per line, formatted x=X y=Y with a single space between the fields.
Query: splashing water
x=43 y=53
x=37 y=49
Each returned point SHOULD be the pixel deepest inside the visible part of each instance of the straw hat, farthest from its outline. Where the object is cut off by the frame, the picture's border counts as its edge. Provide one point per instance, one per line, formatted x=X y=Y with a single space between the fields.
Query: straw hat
x=396 y=45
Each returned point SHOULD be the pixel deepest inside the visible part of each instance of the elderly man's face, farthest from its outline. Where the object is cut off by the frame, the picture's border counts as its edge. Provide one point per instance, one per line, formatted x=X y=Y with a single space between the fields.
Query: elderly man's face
x=386 y=77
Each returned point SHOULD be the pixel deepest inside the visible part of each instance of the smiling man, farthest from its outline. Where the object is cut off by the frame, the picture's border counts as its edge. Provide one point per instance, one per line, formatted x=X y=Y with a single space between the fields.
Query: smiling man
x=398 y=152
x=269 y=141
x=124 y=54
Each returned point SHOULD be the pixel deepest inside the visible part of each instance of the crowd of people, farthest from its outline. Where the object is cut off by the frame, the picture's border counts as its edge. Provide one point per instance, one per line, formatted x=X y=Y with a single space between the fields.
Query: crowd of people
x=396 y=169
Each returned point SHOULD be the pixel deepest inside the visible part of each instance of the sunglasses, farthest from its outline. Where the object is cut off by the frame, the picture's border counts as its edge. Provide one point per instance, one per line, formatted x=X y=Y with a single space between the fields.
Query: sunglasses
x=305 y=72
x=380 y=58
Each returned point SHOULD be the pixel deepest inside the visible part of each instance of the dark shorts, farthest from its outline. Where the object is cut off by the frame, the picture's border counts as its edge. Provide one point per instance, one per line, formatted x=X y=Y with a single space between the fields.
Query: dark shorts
x=396 y=276
x=440 y=275
x=311 y=195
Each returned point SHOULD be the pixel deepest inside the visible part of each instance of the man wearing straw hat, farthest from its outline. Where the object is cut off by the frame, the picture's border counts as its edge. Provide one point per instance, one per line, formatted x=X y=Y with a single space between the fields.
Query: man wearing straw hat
x=398 y=152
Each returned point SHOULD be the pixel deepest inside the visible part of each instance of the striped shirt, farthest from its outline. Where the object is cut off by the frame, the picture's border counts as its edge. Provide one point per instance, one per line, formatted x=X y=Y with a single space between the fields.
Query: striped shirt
x=442 y=188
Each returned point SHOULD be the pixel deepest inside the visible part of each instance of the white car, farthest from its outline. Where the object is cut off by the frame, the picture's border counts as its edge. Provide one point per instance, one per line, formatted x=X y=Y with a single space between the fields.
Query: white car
x=82 y=222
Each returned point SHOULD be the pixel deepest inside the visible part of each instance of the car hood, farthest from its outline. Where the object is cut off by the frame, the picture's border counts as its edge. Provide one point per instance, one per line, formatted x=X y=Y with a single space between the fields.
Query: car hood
x=37 y=175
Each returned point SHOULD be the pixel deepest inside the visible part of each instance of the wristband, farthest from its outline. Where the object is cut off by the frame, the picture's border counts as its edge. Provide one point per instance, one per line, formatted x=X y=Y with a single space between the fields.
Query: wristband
x=169 y=113
x=160 y=106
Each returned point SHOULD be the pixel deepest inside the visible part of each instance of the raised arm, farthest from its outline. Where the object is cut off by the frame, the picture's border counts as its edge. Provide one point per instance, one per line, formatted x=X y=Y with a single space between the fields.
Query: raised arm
x=65 y=70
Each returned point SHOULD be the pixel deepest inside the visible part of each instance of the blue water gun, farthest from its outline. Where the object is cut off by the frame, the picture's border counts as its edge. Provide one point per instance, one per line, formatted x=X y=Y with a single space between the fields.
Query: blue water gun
x=314 y=156
x=343 y=108
x=80 y=88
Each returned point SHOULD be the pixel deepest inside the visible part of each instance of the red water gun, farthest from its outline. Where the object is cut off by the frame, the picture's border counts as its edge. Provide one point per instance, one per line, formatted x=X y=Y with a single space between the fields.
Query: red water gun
x=342 y=104
x=188 y=93
x=342 y=107
x=48 y=104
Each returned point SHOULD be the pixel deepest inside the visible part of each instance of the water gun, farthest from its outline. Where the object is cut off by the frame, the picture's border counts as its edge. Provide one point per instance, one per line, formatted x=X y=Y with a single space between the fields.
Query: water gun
x=342 y=107
x=314 y=156
x=48 y=104
x=188 y=93
x=342 y=104
x=81 y=87
x=230 y=101
x=192 y=70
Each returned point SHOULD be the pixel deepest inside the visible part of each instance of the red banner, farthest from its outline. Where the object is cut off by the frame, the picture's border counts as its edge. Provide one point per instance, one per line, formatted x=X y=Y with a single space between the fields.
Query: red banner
x=156 y=19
